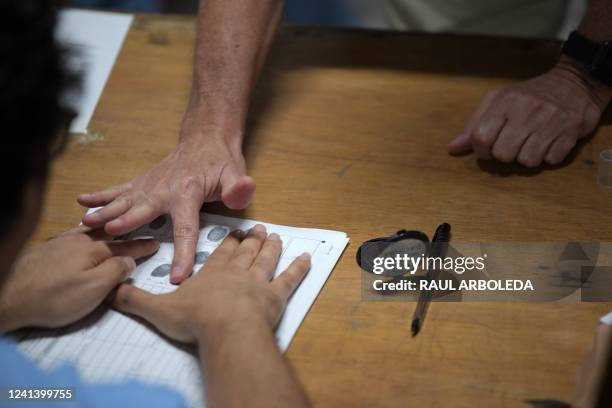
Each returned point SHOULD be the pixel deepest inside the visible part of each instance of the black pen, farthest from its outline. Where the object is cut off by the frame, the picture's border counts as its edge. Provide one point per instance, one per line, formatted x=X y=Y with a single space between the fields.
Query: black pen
x=439 y=245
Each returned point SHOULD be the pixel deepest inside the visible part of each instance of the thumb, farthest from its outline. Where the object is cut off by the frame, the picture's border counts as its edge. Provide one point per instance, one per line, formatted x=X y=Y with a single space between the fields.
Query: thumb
x=461 y=144
x=132 y=300
x=155 y=309
x=236 y=188
x=112 y=272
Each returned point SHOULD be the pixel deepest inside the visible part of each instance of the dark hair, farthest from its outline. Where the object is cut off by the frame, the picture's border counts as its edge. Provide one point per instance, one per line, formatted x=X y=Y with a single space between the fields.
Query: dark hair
x=33 y=82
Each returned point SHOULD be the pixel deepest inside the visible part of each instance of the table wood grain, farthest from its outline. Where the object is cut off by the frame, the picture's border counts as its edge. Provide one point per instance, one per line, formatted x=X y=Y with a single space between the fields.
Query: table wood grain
x=348 y=131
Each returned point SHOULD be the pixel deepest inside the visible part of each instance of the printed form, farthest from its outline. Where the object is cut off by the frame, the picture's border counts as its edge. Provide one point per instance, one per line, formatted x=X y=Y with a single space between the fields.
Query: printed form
x=108 y=346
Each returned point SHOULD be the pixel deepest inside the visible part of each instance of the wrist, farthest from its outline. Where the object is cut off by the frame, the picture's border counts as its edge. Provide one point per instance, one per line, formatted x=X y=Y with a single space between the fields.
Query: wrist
x=576 y=71
x=207 y=135
x=212 y=332
x=11 y=319
x=201 y=121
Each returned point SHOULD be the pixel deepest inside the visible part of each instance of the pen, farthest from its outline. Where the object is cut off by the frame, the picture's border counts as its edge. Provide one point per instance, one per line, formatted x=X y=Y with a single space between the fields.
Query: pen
x=439 y=245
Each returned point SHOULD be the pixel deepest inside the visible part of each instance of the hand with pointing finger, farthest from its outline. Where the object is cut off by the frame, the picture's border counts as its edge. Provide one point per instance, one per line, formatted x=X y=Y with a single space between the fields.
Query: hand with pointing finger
x=230 y=308
x=195 y=173
x=537 y=121
x=235 y=286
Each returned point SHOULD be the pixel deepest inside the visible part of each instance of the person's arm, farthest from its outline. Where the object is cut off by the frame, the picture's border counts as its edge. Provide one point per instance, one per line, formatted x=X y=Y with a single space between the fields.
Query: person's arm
x=230 y=308
x=66 y=278
x=541 y=120
x=597 y=23
x=245 y=368
x=594 y=377
x=233 y=39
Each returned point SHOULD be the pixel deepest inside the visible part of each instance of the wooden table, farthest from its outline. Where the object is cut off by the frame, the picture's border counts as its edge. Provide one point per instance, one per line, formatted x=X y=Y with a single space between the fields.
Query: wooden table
x=349 y=132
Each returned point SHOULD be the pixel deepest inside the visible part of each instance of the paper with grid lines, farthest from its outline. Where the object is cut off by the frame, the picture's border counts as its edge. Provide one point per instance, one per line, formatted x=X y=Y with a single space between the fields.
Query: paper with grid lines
x=108 y=346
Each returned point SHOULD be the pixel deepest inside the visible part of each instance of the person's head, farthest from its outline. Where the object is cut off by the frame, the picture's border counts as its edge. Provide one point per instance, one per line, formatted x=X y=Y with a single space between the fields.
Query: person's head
x=33 y=81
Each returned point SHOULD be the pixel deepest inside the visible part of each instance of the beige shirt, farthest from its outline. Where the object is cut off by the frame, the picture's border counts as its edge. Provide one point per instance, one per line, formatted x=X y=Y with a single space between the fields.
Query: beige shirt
x=523 y=18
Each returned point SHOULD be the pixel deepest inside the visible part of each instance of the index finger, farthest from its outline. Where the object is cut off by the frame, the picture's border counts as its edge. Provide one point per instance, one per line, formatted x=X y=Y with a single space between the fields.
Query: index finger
x=250 y=247
x=103 y=197
x=224 y=253
x=486 y=131
x=463 y=142
x=134 y=248
x=186 y=223
x=96 y=234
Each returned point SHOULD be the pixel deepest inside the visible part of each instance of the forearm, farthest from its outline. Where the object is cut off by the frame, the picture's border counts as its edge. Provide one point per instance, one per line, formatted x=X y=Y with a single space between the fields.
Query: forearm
x=597 y=23
x=597 y=26
x=8 y=320
x=233 y=39
x=13 y=315
x=244 y=367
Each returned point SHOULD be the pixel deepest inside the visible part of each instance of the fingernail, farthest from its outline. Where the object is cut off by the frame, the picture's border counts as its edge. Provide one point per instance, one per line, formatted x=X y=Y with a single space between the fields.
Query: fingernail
x=131 y=264
x=176 y=273
x=113 y=225
x=238 y=233
x=304 y=257
x=259 y=228
x=274 y=237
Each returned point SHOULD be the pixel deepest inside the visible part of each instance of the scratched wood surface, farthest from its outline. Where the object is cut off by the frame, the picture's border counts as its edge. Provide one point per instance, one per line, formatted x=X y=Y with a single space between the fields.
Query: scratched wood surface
x=348 y=131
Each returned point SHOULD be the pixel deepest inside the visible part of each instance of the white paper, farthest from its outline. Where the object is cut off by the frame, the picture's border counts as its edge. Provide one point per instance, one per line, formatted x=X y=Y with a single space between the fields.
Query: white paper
x=109 y=346
x=94 y=40
x=606 y=319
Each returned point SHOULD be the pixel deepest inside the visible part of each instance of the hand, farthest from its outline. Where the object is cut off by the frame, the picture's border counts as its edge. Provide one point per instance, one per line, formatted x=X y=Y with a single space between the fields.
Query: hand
x=66 y=278
x=233 y=286
x=536 y=121
x=179 y=185
x=593 y=377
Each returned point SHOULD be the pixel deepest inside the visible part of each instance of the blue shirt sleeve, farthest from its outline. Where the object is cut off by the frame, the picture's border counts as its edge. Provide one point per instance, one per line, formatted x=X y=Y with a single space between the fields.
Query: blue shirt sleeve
x=18 y=372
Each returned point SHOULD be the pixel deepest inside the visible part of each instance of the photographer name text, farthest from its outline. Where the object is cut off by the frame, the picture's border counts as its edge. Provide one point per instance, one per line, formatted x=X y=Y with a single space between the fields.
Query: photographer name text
x=452 y=285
